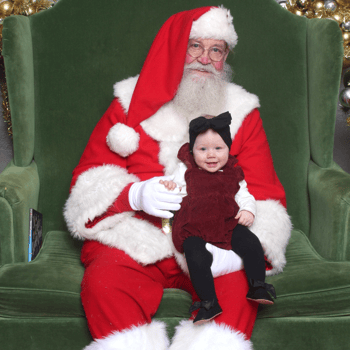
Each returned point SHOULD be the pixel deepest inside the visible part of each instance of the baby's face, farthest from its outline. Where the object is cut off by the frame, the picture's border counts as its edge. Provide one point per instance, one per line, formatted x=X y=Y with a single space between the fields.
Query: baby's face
x=210 y=152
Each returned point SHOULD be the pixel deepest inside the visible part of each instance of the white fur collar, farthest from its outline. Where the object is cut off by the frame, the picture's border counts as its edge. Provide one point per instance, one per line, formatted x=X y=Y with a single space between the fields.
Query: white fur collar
x=239 y=103
x=124 y=89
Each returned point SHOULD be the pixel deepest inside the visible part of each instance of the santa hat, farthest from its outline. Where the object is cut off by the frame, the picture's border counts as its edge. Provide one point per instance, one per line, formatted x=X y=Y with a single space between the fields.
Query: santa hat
x=215 y=24
x=162 y=71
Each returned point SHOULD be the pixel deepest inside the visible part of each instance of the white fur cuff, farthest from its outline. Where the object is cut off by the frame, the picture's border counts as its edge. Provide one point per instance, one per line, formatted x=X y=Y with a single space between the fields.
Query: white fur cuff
x=151 y=336
x=94 y=192
x=209 y=336
x=273 y=227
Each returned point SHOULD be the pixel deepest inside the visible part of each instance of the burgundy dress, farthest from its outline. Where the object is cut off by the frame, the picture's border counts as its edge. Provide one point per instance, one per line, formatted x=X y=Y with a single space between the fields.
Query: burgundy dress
x=209 y=209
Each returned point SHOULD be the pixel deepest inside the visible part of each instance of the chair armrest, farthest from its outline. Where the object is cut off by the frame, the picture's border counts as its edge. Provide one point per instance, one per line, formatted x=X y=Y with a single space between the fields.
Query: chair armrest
x=329 y=191
x=19 y=66
x=19 y=191
x=324 y=54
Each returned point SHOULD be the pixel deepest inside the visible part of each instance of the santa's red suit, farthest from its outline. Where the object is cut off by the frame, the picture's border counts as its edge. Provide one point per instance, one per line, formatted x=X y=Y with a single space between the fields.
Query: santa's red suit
x=129 y=260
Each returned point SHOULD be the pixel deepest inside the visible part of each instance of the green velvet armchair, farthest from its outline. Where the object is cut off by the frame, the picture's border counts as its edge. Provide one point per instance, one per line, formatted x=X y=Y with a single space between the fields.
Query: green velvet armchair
x=61 y=65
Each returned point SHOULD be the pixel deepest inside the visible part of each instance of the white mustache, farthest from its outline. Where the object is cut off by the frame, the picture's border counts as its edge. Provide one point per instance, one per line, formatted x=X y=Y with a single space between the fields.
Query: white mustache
x=205 y=68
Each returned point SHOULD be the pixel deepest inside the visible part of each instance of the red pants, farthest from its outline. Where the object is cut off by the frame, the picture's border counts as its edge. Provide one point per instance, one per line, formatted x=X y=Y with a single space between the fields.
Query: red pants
x=118 y=293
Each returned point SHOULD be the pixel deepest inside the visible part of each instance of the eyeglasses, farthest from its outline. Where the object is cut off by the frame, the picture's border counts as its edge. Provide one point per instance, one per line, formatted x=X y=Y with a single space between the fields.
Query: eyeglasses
x=215 y=53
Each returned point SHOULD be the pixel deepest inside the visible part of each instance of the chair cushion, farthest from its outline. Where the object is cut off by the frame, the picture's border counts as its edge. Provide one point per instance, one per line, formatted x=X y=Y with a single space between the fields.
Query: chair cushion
x=49 y=286
x=309 y=285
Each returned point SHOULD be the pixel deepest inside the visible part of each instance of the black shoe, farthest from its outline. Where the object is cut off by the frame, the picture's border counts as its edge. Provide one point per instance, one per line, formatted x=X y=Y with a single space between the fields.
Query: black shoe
x=261 y=292
x=207 y=311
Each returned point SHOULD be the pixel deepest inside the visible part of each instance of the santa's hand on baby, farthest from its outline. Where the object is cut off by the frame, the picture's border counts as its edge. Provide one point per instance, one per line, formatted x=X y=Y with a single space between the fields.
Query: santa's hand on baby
x=153 y=198
x=245 y=218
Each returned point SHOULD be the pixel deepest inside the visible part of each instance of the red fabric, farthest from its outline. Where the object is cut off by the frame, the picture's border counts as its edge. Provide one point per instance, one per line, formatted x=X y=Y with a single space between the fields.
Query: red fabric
x=209 y=209
x=97 y=152
x=251 y=148
x=118 y=293
x=163 y=68
x=120 y=205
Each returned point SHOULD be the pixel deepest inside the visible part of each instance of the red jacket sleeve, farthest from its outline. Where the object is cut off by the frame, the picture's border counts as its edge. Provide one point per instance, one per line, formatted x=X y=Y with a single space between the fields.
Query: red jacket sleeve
x=252 y=150
x=97 y=151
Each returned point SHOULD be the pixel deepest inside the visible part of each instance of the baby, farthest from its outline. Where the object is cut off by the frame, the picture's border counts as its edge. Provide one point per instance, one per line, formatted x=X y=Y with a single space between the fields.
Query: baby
x=217 y=209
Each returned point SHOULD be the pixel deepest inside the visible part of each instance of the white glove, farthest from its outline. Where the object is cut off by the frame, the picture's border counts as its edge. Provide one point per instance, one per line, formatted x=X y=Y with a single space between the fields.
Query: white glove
x=224 y=261
x=153 y=198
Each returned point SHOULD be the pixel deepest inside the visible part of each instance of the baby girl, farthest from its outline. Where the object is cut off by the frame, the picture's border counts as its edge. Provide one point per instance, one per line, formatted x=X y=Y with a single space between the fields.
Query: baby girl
x=217 y=209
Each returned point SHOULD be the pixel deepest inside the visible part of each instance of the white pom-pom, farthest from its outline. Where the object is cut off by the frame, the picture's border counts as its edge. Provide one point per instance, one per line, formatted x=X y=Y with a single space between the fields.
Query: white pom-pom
x=123 y=140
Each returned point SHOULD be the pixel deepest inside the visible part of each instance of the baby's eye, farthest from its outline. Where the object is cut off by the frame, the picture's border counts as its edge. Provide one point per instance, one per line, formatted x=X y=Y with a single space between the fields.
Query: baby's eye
x=218 y=148
x=202 y=148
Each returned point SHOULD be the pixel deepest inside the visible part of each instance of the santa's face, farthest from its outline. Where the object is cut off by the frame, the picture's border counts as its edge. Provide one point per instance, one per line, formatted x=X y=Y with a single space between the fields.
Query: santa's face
x=208 y=49
x=210 y=152
x=202 y=90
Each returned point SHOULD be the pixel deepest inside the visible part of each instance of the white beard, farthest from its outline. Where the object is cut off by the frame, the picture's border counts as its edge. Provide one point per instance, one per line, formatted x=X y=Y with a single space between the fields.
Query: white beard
x=201 y=94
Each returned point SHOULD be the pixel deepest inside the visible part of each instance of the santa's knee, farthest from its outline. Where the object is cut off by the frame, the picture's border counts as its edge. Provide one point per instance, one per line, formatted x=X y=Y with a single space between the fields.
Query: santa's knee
x=117 y=298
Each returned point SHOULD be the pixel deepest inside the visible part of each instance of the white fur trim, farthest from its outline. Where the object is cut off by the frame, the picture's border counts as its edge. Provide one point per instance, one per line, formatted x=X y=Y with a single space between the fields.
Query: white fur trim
x=273 y=227
x=175 y=131
x=171 y=135
x=151 y=336
x=209 y=336
x=239 y=103
x=166 y=124
x=168 y=156
x=141 y=240
x=122 y=139
x=215 y=24
x=124 y=90
x=94 y=192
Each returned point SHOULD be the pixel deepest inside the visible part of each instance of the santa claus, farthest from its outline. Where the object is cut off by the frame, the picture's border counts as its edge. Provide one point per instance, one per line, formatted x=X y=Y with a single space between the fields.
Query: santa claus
x=116 y=203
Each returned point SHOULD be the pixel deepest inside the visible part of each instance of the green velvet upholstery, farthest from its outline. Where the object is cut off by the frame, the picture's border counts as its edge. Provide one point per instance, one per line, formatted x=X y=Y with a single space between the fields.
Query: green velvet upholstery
x=19 y=191
x=61 y=65
x=20 y=79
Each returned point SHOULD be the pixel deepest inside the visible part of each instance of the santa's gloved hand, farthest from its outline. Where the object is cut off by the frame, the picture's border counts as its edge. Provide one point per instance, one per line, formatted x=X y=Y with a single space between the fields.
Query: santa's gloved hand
x=153 y=198
x=224 y=261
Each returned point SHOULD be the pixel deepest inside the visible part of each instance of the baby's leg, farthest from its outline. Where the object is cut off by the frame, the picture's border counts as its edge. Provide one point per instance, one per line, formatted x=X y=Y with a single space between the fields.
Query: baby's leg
x=247 y=245
x=199 y=261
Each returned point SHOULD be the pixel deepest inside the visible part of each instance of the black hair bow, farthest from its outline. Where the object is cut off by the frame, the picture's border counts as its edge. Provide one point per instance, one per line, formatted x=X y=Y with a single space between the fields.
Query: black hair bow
x=220 y=124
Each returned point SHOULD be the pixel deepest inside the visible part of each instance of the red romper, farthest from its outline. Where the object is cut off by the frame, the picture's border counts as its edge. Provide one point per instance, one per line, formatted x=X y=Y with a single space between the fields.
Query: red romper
x=209 y=209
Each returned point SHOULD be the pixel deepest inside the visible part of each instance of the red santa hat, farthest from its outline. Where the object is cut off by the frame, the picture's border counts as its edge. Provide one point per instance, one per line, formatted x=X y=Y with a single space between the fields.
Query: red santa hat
x=162 y=71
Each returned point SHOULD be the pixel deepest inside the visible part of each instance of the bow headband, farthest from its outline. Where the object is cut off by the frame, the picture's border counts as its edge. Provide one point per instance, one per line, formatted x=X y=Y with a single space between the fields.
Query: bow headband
x=220 y=124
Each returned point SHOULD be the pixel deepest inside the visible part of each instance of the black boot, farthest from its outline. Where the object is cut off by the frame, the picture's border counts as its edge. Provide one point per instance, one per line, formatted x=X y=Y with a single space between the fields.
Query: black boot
x=207 y=310
x=261 y=292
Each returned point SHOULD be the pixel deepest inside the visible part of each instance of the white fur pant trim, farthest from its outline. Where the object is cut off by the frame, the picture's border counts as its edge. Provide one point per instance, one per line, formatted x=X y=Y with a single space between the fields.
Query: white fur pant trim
x=151 y=336
x=209 y=336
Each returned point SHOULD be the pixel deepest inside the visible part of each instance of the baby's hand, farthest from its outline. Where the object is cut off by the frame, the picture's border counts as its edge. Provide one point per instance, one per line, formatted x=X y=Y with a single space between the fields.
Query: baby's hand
x=169 y=184
x=245 y=218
